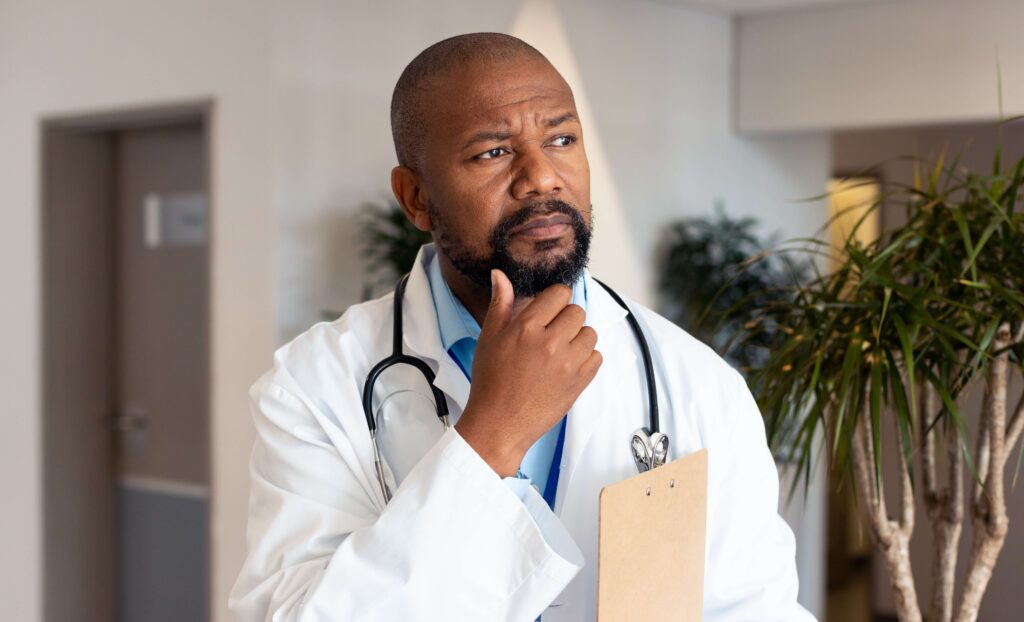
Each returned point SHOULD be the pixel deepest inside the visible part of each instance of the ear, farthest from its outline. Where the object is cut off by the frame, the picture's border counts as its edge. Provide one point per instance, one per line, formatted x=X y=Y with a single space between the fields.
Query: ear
x=411 y=196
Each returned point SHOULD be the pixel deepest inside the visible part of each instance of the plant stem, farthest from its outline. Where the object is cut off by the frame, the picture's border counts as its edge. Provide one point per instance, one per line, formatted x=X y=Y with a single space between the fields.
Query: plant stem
x=948 y=529
x=990 y=520
x=1016 y=425
x=890 y=537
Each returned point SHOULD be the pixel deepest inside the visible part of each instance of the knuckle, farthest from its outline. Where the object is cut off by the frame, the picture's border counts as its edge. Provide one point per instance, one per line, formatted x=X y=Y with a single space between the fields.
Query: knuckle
x=561 y=291
x=577 y=313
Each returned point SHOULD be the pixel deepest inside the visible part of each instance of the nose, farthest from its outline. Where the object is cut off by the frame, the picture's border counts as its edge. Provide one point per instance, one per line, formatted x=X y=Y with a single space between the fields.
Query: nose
x=534 y=174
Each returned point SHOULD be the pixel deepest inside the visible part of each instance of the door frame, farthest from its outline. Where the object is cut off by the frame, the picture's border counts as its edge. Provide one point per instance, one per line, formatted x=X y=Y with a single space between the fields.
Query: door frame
x=55 y=378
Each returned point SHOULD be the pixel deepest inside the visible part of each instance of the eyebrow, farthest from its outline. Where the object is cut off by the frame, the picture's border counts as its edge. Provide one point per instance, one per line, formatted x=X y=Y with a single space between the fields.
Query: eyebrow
x=500 y=136
x=484 y=136
x=569 y=116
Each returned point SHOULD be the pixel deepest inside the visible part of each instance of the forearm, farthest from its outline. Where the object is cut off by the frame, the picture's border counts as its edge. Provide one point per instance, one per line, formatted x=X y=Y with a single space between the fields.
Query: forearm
x=452 y=522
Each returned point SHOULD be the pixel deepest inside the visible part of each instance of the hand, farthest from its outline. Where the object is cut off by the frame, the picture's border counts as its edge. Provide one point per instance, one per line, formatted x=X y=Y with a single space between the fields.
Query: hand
x=528 y=369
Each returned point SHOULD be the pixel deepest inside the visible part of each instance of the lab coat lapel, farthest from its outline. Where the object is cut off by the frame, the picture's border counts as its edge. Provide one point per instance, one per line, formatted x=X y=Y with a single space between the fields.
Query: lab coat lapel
x=594 y=407
x=422 y=338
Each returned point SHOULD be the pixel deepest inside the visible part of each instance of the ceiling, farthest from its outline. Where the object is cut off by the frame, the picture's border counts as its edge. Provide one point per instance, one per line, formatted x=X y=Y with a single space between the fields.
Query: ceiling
x=754 y=7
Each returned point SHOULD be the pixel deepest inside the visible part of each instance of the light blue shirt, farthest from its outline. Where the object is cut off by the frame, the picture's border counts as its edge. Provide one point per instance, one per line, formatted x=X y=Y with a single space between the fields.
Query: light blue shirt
x=459 y=333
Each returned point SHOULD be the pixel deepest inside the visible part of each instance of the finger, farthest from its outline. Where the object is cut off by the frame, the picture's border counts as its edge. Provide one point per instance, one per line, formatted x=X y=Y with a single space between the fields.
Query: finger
x=546 y=305
x=500 y=310
x=585 y=341
x=568 y=321
x=589 y=368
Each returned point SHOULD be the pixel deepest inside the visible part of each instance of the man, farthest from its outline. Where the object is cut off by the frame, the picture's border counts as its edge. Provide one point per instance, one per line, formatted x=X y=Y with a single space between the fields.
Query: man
x=496 y=517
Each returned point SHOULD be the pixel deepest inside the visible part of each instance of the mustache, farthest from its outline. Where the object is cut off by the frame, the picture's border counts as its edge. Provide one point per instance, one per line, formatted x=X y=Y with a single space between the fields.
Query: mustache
x=534 y=209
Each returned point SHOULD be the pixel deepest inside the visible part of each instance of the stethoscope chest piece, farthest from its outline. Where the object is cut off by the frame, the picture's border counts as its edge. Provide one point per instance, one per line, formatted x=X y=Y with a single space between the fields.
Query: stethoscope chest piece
x=649 y=450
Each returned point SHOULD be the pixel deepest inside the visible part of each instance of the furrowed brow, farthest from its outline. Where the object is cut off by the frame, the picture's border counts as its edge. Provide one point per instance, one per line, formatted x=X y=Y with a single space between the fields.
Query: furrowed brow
x=480 y=137
x=569 y=116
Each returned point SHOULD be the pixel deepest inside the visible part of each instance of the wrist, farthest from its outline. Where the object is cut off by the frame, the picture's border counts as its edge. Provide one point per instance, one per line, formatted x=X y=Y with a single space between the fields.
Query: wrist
x=501 y=456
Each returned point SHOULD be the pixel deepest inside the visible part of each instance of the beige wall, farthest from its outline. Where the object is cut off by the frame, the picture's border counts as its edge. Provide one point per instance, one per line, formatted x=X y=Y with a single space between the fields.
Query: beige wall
x=61 y=58
x=883 y=63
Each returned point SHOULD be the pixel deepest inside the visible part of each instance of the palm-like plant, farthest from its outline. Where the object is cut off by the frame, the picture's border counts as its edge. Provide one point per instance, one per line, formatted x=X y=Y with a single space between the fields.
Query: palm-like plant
x=884 y=349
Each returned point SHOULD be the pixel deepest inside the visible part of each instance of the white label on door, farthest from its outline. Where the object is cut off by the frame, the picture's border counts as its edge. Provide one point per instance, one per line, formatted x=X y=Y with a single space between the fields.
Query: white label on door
x=174 y=219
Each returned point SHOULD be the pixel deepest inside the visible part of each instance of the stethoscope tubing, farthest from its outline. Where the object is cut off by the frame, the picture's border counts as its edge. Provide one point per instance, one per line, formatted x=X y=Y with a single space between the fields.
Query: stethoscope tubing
x=645 y=353
x=397 y=357
x=641 y=445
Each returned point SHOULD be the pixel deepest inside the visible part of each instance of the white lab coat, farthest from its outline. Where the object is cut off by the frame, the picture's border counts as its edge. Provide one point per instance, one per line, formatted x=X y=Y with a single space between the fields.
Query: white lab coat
x=457 y=542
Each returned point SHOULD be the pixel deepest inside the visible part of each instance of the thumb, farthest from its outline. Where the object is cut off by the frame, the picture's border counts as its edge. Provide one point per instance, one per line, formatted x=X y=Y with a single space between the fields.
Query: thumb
x=500 y=312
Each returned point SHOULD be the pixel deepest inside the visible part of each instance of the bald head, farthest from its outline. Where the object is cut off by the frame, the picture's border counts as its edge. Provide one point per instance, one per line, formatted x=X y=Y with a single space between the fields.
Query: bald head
x=409 y=100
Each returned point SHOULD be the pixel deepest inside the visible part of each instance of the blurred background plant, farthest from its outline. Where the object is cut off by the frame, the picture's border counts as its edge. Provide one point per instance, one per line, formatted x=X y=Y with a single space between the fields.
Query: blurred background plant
x=883 y=350
x=710 y=265
x=389 y=246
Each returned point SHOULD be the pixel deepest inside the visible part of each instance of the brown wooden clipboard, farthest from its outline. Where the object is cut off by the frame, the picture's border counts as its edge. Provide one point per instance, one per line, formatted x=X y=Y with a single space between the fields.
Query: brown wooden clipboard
x=651 y=531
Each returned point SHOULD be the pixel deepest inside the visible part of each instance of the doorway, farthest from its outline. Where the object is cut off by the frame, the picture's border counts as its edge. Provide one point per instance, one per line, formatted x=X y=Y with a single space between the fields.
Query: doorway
x=126 y=356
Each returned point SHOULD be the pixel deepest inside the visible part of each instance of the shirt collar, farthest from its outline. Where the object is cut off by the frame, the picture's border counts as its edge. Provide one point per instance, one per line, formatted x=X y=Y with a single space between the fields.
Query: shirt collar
x=454 y=321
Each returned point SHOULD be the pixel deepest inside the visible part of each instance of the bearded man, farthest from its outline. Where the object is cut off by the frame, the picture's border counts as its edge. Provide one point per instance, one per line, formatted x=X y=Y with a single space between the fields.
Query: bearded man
x=494 y=516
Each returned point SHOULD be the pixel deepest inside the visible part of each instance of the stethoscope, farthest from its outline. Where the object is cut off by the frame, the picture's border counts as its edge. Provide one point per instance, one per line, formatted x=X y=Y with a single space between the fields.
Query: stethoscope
x=648 y=446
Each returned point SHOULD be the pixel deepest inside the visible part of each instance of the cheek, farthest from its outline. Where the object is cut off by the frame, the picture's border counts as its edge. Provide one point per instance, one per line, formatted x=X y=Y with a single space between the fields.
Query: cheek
x=480 y=202
x=470 y=218
x=574 y=170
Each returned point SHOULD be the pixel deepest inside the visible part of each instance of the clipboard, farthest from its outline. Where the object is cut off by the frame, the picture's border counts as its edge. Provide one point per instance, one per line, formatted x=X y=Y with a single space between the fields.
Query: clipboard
x=651 y=533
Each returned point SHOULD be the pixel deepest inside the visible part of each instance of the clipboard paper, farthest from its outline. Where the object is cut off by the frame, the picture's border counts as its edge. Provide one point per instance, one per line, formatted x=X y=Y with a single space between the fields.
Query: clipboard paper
x=651 y=531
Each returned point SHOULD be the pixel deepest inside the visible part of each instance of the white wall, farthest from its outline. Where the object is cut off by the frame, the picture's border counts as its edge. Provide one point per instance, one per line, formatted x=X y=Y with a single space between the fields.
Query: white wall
x=655 y=88
x=907 y=62
x=301 y=140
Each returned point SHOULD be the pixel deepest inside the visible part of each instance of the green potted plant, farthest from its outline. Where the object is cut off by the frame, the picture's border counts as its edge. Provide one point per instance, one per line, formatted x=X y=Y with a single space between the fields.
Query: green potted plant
x=390 y=244
x=708 y=265
x=884 y=349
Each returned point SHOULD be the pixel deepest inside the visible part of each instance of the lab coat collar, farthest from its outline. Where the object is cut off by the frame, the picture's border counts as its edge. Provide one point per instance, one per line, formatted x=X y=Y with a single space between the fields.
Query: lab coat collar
x=422 y=338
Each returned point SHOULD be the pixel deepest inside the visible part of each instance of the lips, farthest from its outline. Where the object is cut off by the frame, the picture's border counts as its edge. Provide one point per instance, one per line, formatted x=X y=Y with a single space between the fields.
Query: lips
x=552 y=224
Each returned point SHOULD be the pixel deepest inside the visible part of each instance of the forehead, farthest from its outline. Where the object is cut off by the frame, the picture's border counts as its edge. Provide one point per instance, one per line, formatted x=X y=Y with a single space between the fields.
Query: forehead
x=487 y=95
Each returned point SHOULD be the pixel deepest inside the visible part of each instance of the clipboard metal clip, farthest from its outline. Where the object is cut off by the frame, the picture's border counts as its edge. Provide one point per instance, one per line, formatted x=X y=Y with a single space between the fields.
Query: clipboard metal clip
x=649 y=450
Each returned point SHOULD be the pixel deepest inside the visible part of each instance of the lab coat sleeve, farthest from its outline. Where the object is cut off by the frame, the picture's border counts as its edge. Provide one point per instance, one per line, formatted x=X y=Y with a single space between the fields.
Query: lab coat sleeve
x=456 y=542
x=752 y=563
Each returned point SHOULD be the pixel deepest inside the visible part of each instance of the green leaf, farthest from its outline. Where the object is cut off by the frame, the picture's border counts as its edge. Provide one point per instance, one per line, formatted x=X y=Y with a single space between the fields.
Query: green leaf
x=965 y=235
x=904 y=417
x=885 y=309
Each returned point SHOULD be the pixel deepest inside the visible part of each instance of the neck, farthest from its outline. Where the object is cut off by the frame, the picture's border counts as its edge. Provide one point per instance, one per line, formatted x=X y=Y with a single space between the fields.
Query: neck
x=475 y=298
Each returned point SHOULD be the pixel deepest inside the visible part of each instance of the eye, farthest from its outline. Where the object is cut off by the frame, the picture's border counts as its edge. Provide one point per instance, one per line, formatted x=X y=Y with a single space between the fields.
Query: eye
x=490 y=154
x=564 y=140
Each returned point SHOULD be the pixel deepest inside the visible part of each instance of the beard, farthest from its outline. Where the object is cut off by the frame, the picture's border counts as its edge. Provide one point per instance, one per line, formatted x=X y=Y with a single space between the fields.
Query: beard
x=528 y=279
